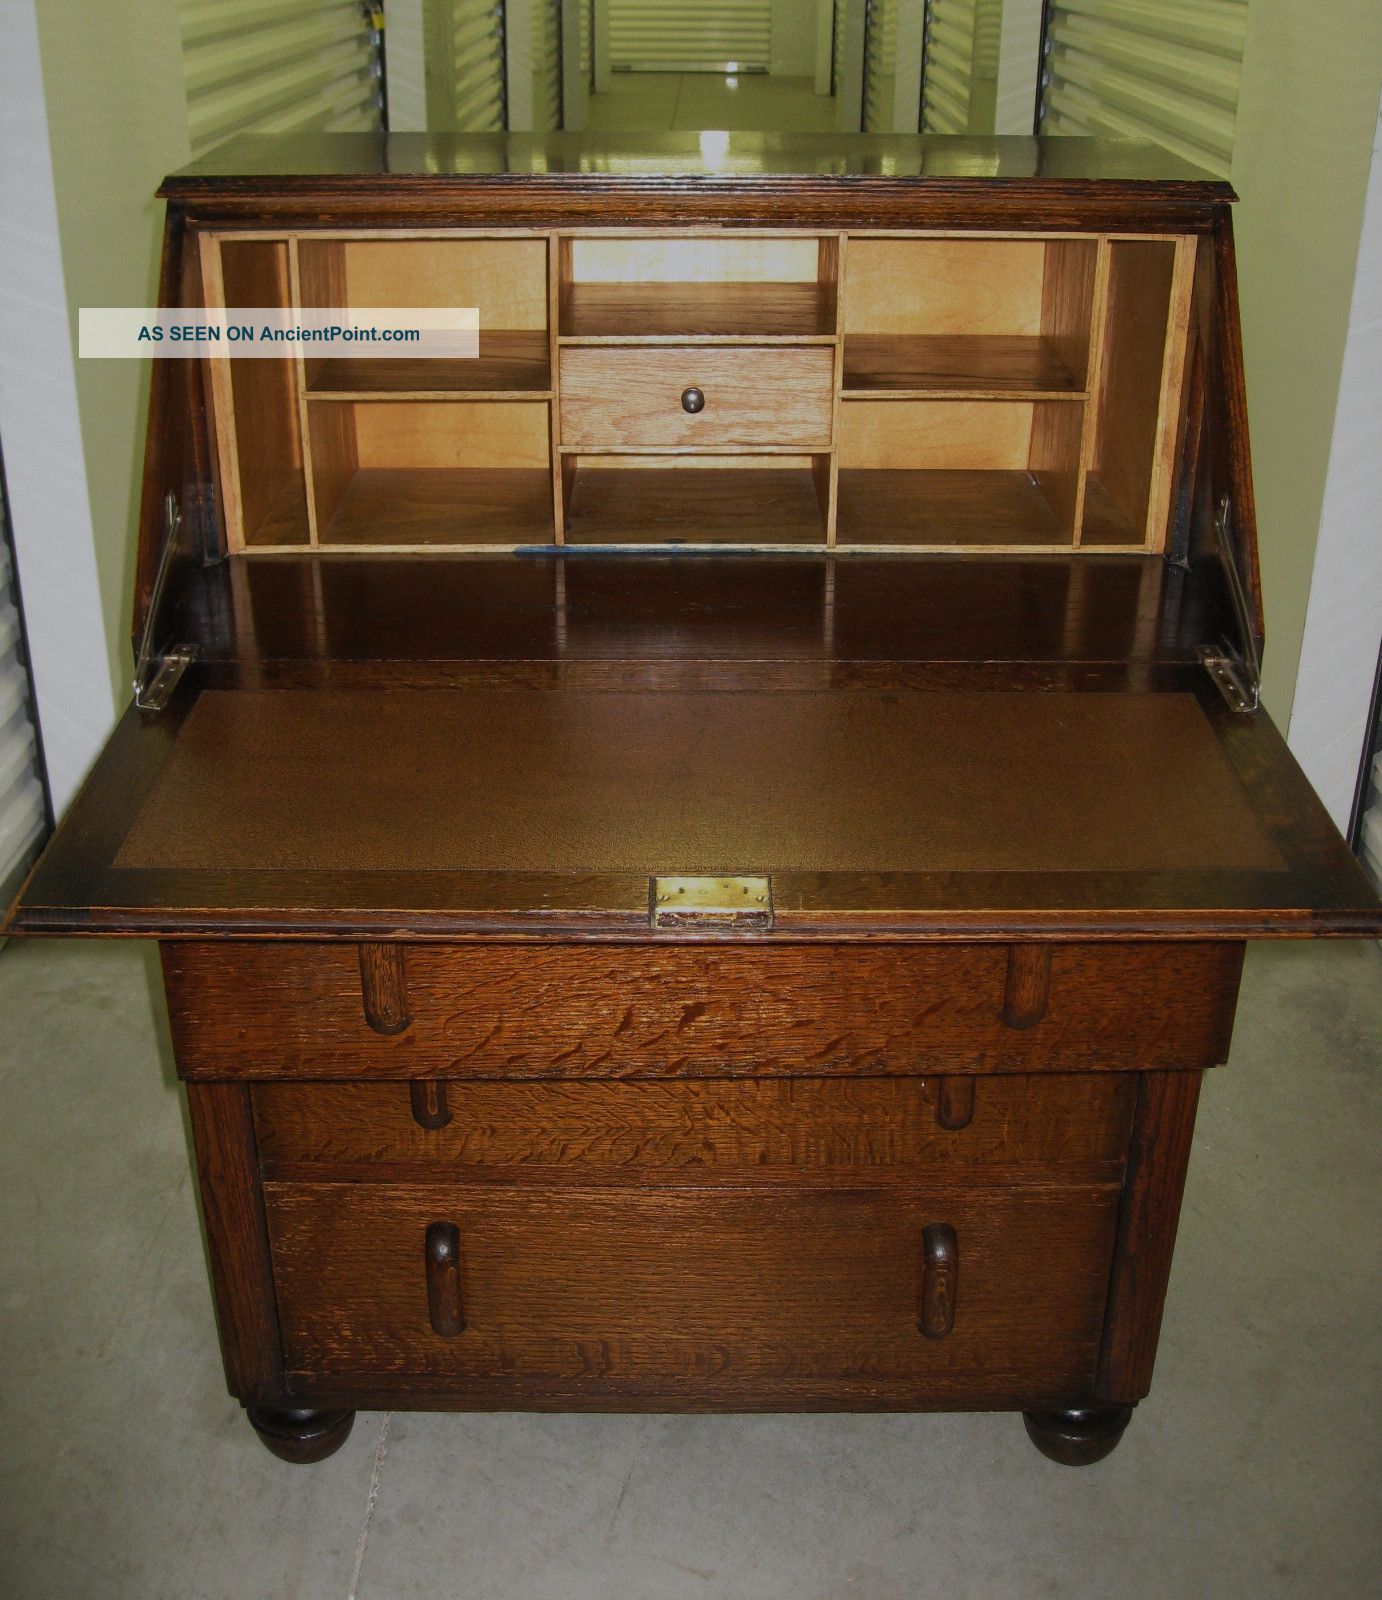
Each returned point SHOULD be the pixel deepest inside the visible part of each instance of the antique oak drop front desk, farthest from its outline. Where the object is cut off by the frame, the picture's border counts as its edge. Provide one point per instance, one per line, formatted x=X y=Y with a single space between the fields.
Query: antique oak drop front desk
x=701 y=856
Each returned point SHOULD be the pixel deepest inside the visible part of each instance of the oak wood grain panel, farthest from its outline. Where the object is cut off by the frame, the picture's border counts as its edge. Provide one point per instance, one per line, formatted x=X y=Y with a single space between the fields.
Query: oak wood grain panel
x=1067 y=1127
x=629 y=397
x=1158 y=1158
x=662 y=1010
x=768 y=1288
x=237 y=1241
x=1140 y=280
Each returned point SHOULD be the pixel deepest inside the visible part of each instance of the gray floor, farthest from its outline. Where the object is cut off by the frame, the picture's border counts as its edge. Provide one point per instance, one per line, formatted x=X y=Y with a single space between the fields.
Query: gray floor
x=1254 y=1469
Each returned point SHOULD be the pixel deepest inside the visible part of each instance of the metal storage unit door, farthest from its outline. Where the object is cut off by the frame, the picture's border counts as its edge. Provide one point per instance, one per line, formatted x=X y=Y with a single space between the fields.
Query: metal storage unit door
x=690 y=35
x=948 y=79
x=1130 y=69
x=278 y=66
x=880 y=65
x=546 y=65
x=477 y=88
x=23 y=814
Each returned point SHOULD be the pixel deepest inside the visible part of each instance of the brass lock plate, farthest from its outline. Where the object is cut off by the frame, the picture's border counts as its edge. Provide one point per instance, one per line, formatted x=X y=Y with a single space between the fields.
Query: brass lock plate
x=690 y=905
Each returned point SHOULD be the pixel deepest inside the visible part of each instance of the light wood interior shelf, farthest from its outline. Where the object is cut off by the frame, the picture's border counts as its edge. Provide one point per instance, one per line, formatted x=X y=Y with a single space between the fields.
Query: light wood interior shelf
x=947 y=393
x=514 y=363
x=393 y=508
x=760 y=505
x=600 y=313
x=947 y=509
x=936 y=365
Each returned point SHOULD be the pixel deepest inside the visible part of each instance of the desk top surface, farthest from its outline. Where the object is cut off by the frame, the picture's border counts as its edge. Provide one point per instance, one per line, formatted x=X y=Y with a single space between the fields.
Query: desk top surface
x=709 y=155
x=496 y=810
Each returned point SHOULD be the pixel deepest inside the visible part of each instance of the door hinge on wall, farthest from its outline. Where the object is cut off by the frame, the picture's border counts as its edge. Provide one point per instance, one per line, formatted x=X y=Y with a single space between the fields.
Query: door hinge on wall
x=157 y=672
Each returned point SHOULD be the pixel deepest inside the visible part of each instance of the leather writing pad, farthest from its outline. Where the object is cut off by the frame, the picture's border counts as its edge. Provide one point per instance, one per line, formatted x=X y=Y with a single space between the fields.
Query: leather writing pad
x=577 y=781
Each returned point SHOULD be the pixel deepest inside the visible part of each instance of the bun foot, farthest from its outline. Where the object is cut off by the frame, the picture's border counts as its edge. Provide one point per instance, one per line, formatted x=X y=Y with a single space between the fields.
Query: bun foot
x=301 y=1436
x=1078 y=1437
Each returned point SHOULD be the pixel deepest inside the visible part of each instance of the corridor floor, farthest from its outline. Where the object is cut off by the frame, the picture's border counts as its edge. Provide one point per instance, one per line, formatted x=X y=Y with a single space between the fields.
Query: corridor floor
x=663 y=102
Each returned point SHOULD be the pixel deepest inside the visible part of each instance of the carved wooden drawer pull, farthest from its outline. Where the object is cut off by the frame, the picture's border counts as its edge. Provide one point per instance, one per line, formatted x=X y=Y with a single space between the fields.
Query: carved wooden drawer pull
x=1029 y=985
x=428 y=1099
x=384 y=987
x=955 y=1102
x=940 y=1279
x=442 y=1251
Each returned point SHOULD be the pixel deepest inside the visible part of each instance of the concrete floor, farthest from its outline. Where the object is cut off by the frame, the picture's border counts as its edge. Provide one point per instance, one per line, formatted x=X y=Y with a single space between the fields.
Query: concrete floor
x=659 y=102
x=1254 y=1470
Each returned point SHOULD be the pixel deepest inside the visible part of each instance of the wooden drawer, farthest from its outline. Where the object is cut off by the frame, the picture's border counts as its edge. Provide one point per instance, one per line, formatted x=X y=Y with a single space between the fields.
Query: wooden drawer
x=615 y=398
x=280 y=1009
x=736 y=1297
x=1000 y=1129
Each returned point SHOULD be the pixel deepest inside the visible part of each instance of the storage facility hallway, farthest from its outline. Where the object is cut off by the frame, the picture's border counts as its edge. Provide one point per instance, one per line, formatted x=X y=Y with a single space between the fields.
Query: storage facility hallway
x=658 y=102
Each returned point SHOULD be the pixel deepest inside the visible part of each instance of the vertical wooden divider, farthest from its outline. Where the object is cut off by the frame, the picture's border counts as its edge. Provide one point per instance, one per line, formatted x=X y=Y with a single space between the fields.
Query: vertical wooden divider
x=222 y=400
x=1173 y=374
x=300 y=383
x=834 y=252
x=558 y=265
x=1098 y=311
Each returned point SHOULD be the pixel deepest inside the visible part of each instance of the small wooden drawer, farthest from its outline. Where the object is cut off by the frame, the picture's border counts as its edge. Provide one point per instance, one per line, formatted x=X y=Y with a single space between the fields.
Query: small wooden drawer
x=619 y=398
x=665 y=1009
x=734 y=1297
x=1000 y=1129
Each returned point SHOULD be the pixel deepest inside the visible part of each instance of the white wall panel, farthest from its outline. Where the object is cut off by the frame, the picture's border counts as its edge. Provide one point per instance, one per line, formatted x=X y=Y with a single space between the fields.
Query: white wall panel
x=41 y=429
x=1343 y=625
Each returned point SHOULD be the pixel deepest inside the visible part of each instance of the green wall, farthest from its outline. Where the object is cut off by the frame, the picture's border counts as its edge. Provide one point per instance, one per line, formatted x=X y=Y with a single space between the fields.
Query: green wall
x=117 y=121
x=1307 y=114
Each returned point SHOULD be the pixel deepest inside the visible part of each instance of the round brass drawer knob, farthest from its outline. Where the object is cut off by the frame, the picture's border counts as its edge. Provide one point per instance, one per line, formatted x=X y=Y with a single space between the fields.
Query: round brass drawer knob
x=692 y=400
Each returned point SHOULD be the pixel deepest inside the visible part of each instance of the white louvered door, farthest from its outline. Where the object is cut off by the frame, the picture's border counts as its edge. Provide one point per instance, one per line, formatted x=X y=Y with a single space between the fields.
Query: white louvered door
x=1166 y=70
x=880 y=65
x=532 y=32
x=546 y=65
x=892 y=65
x=690 y=35
x=473 y=59
x=951 y=60
x=23 y=816
x=278 y=66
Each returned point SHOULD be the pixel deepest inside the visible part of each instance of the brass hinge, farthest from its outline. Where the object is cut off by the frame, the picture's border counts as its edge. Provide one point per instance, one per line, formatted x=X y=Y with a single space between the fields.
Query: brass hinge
x=157 y=672
x=692 y=905
x=1236 y=671
x=1233 y=680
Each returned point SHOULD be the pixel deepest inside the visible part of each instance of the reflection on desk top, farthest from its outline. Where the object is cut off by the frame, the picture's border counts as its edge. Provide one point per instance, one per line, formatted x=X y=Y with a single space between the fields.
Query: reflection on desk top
x=375 y=160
